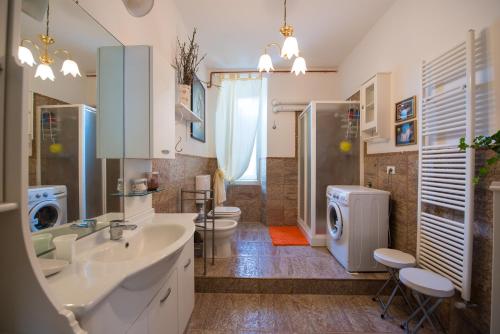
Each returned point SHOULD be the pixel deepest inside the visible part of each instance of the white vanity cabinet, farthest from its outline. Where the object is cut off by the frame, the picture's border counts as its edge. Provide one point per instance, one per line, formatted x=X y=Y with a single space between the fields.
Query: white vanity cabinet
x=163 y=311
x=186 y=284
x=140 y=326
x=375 y=96
x=170 y=309
x=149 y=123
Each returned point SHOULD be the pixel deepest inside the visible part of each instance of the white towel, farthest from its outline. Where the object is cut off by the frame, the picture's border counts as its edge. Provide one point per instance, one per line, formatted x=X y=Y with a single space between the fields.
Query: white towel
x=219 y=188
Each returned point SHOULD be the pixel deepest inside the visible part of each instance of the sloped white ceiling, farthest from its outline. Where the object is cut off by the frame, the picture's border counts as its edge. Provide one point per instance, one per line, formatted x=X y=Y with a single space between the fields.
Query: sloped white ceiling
x=234 y=32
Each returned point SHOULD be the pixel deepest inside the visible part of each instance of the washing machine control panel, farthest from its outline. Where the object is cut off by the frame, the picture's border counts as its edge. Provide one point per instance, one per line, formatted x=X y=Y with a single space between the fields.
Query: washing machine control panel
x=40 y=194
x=338 y=197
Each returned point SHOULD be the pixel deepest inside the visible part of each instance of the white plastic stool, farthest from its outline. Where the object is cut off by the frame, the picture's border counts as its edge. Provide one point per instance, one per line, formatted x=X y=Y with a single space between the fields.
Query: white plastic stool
x=394 y=260
x=426 y=286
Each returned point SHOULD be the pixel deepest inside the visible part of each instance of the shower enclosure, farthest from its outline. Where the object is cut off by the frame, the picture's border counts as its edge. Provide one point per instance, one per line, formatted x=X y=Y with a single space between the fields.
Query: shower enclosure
x=66 y=155
x=329 y=154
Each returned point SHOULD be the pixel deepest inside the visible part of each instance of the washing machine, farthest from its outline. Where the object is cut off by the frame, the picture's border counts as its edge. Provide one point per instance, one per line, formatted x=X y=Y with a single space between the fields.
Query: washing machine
x=47 y=206
x=357 y=224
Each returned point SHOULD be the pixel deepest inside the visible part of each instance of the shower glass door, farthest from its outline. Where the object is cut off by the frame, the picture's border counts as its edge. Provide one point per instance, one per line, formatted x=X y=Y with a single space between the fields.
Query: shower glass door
x=337 y=153
x=328 y=154
x=301 y=161
x=304 y=162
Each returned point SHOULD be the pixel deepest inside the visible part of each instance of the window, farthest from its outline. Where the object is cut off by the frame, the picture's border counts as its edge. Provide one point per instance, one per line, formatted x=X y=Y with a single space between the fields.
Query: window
x=239 y=128
x=251 y=174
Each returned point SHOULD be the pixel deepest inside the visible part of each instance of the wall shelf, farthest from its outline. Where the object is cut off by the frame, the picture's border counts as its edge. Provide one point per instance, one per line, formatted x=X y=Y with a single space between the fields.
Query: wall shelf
x=186 y=113
x=132 y=194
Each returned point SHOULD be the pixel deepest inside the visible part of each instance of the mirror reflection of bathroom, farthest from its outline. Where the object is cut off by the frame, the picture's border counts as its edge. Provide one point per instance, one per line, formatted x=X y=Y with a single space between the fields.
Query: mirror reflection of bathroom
x=73 y=181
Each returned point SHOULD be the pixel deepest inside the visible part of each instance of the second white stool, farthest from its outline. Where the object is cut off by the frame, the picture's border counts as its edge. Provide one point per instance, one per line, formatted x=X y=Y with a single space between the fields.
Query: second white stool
x=426 y=286
x=394 y=260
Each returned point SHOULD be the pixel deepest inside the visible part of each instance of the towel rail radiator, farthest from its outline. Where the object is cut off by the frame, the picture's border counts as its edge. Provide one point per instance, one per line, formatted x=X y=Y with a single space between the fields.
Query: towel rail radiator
x=445 y=183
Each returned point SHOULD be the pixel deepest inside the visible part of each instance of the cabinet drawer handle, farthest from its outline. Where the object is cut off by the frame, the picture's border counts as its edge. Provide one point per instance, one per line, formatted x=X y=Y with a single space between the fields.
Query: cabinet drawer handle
x=187 y=264
x=169 y=291
x=165 y=151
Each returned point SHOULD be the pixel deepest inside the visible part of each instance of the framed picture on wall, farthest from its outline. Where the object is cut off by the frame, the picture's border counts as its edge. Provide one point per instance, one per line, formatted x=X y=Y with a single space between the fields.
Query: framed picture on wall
x=405 y=110
x=406 y=133
x=198 y=107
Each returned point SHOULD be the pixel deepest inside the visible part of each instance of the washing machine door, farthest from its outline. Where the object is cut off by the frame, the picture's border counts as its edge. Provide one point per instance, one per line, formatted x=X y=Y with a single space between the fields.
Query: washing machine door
x=334 y=220
x=44 y=215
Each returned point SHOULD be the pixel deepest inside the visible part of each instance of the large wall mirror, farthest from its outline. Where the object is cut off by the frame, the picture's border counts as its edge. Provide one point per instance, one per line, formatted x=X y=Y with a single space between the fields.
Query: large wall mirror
x=74 y=81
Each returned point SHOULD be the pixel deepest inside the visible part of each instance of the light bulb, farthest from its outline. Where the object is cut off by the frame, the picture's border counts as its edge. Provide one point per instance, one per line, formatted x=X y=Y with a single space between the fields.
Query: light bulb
x=265 y=63
x=70 y=67
x=299 y=66
x=44 y=71
x=25 y=56
x=290 y=48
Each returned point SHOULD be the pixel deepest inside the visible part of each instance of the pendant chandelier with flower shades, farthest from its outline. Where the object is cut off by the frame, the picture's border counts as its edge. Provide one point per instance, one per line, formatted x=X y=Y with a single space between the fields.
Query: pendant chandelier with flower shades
x=289 y=50
x=44 y=69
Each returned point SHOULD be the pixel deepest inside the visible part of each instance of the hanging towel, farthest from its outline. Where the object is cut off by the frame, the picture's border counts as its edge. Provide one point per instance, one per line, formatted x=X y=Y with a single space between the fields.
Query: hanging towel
x=219 y=187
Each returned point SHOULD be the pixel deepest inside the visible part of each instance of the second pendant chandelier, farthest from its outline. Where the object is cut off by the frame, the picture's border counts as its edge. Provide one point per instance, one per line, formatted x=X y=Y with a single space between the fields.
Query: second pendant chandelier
x=289 y=50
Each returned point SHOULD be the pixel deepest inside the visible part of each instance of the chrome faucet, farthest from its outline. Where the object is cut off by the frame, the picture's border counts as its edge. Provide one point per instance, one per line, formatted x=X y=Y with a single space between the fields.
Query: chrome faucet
x=116 y=229
x=85 y=223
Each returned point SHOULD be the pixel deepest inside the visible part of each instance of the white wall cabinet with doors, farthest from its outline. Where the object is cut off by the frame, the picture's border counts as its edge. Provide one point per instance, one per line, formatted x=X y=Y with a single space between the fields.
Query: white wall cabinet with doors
x=110 y=62
x=148 y=105
x=375 y=96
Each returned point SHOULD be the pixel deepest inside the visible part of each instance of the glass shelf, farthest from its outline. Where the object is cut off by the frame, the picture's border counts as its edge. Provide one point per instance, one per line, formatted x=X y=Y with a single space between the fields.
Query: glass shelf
x=132 y=194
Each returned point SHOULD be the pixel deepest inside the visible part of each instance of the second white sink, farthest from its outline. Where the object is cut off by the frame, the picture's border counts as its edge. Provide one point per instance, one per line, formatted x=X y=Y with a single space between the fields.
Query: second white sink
x=149 y=240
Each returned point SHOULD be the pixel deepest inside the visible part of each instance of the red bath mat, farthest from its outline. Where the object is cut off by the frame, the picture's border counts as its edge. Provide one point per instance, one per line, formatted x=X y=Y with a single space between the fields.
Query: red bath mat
x=287 y=236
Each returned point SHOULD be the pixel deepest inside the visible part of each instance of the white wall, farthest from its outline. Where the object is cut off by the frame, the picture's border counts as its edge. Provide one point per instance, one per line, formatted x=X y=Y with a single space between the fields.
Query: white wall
x=283 y=87
x=410 y=32
x=183 y=130
x=159 y=29
x=63 y=88
x=90 y=90
x=495 y=61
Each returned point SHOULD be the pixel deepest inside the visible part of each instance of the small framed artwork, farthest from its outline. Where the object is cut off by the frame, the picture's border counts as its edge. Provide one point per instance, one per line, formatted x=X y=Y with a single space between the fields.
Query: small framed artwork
x=406 y=133
x=405 y=110
x=198 y=107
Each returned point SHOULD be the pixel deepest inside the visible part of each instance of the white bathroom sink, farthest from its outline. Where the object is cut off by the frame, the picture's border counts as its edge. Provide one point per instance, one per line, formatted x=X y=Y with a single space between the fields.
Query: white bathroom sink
x=138 y=262
x=150 y=239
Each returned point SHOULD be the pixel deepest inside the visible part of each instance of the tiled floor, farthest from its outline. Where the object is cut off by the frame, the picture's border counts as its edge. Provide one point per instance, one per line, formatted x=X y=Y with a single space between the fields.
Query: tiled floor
x=264 y=313
x=256 y=257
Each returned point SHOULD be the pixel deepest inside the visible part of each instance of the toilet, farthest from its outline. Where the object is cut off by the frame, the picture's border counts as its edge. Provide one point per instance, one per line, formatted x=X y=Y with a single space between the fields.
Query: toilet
x=224 y=230
x=226 y=212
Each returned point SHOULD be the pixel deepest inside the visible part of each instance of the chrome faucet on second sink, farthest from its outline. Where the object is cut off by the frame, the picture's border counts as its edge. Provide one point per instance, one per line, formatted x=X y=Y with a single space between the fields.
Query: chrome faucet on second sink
x=116 y=229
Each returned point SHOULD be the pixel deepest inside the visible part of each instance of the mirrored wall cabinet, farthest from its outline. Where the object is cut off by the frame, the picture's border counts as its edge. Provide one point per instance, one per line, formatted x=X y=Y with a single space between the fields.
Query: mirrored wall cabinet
x=375 y=96
x=149 y=125
x=110 y=121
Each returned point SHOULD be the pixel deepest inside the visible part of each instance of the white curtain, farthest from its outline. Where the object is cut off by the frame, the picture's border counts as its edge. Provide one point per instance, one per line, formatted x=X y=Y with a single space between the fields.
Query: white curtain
x=239 y=108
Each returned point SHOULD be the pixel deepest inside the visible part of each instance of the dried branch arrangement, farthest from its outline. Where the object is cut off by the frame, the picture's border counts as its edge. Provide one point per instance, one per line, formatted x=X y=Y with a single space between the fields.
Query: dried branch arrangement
x=187 y=60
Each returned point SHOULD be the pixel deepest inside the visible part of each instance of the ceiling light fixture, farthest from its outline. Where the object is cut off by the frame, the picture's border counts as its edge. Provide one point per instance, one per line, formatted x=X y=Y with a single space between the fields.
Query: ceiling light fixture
x=289 y=50
x=299 y=66
x=44 y=69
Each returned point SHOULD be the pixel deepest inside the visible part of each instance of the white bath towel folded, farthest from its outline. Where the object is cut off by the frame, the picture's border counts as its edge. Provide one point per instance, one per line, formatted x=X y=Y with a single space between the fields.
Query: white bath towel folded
x=219 y=188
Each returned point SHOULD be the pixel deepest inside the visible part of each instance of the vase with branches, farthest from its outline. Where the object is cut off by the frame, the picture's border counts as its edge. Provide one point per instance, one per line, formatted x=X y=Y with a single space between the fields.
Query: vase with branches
x=187 y=61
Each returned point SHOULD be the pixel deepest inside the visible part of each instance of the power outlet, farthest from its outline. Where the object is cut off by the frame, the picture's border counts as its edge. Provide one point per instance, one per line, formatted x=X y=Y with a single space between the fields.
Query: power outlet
x=391 y=170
